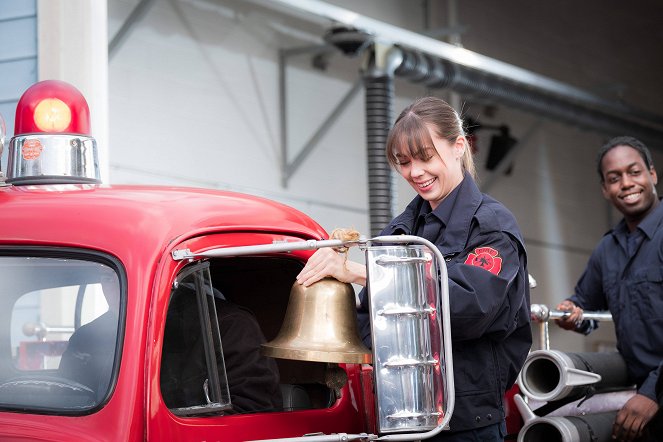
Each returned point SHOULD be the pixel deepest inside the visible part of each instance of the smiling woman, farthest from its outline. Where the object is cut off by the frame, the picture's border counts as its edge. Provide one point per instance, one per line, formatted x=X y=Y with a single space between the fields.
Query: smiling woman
x=486 y=261
x=429 y=149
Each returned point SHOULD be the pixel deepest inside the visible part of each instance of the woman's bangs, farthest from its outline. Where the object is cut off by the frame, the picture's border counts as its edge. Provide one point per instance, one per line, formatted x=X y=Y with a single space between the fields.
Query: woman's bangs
x=411 y=139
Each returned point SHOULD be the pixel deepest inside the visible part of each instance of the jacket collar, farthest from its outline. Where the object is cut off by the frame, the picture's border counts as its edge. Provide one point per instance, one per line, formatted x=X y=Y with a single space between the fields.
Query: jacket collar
x=457 y=231
x=455 y=237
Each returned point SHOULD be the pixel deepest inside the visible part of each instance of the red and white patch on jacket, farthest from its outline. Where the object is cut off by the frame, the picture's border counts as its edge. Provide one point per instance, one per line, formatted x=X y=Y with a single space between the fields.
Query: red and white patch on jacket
x=487 y=258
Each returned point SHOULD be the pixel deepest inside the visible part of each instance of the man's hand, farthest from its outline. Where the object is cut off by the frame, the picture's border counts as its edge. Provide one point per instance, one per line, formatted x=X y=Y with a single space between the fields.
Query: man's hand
x=573 y=319
x=632 y=418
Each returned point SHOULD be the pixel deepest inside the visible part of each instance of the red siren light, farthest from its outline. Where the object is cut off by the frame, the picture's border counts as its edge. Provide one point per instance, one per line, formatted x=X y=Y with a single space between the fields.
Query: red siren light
x=52 y=106
x=52 y=143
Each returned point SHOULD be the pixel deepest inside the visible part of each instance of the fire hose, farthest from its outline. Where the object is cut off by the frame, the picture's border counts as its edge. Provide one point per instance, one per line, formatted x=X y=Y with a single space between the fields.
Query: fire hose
x=556 y=378
x=590 y=387
x=550 y=375
x=588 y=428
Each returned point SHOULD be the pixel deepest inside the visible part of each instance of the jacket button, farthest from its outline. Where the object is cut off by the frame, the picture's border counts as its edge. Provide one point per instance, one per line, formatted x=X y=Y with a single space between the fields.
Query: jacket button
x=489 y=416
x=478 y=419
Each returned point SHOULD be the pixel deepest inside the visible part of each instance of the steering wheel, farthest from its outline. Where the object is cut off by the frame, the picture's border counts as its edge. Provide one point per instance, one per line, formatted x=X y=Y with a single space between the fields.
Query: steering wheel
x=46 y=391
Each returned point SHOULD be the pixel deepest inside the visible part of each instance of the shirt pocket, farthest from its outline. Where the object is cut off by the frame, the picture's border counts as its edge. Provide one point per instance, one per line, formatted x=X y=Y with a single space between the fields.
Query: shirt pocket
x=616 y=303
x=646 y=294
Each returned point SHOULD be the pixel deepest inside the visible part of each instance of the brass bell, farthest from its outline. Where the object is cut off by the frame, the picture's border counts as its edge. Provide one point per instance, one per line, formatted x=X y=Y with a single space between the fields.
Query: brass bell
x=320 y=324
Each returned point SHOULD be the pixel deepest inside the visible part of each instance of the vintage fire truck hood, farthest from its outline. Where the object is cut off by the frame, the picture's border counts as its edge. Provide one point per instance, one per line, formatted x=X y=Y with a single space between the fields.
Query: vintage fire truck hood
x=109 y=217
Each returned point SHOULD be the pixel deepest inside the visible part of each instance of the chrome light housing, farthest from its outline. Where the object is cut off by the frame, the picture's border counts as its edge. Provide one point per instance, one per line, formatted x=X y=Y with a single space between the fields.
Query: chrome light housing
x=409 y=309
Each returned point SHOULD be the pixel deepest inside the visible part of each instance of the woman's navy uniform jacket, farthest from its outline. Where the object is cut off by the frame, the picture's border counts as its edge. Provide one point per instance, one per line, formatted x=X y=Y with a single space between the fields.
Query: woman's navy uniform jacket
x=489 y=296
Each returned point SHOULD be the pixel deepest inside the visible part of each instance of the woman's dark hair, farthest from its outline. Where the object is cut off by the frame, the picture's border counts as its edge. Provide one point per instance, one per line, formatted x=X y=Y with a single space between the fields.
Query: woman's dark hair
x=623 y=141
x=410 y=131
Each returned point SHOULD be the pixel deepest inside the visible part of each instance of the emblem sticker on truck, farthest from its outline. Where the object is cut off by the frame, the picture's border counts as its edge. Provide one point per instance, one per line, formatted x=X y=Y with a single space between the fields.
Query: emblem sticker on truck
x=32 y=149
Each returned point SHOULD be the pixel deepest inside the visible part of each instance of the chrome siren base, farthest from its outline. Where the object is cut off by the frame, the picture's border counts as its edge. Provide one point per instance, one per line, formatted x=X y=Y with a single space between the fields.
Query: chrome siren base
x=53 y=159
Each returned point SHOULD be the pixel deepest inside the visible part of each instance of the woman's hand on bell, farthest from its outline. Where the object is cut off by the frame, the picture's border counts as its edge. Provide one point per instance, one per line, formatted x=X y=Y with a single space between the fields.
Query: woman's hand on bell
x=327 y=262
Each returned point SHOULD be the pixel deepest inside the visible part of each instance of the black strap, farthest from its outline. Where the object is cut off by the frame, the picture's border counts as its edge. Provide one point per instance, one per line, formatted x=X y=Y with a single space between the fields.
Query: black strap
x=551 y=406
x=592 y=436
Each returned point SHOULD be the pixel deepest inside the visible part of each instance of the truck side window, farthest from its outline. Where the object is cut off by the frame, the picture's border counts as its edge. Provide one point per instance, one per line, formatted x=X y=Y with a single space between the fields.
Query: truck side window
x=63 y=327
x=193 y=377
x=252 y=378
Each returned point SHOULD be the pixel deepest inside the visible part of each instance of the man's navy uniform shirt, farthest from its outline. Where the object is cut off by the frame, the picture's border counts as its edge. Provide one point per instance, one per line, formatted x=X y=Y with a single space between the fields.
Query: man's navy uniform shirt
x=625 y=275
x=488 y=291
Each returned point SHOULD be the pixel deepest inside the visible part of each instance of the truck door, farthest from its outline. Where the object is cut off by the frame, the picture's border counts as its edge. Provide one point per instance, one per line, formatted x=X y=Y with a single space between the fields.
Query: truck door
x=214 y=383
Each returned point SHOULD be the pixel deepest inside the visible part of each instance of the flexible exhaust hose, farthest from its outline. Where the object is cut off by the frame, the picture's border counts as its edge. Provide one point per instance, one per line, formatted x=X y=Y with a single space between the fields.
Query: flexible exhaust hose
x=379 y=98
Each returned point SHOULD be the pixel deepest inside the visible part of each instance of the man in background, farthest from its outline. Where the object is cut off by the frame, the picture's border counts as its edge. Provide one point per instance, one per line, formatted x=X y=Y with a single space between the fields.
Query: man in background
x=625 y=275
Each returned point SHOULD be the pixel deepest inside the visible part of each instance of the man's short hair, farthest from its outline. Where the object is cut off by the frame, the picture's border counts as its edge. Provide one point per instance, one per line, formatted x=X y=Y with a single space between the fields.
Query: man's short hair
x=624 y=141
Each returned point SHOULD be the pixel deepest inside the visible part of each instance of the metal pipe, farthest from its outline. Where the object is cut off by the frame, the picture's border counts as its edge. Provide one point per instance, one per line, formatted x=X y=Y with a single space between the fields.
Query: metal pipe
x=287 y=246
x=471 y=73
x=544 y=335
x=339 y=437
x=597 y=403
x=550 y=375
x=138 y=12
x=291 y=167
x=439 y=73
x=542 y=314
x=588 y=428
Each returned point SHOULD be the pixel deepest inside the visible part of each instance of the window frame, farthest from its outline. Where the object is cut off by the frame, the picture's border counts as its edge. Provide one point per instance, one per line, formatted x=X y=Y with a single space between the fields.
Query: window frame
x=88 y=255
x=211 y=335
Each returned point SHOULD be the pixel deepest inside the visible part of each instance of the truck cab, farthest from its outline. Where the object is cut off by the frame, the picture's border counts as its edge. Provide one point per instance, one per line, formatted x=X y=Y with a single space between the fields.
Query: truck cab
x=113 y=317
x=68 y=246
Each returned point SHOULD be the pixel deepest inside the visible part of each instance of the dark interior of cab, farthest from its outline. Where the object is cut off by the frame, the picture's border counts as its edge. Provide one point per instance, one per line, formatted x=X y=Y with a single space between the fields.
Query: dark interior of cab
x=261 y=285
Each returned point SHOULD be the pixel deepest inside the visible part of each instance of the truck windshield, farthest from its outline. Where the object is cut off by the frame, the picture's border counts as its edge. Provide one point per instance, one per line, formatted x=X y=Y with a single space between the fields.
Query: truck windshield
x=58 y=343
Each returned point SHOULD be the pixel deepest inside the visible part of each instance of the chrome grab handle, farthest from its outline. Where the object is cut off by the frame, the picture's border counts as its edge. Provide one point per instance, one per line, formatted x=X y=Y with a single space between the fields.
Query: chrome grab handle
x=542 y=314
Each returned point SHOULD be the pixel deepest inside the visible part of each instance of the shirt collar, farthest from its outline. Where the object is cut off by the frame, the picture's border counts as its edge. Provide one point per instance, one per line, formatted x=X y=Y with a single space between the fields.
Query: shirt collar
x=463 y=201
x=648 y=226
x=444 y=209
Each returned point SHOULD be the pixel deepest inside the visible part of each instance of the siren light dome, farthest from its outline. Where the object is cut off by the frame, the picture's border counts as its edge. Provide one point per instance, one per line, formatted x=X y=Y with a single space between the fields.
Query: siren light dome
x=52 y=143
x=52 y=106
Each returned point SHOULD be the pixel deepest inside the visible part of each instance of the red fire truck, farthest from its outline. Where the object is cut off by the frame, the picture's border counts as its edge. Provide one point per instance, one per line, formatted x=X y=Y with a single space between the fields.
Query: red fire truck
x=108 y=291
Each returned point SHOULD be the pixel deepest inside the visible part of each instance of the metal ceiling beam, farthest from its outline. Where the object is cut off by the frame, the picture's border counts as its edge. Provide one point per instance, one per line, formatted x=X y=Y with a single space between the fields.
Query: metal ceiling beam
x=326 y=14
x=521 y=81
x=138 y=12
x=288 y=168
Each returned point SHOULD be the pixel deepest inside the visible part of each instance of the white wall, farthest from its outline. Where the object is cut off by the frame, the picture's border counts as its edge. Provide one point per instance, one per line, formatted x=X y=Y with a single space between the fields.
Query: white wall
x=194 y=101
x=198 y=91
x=72 y=47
